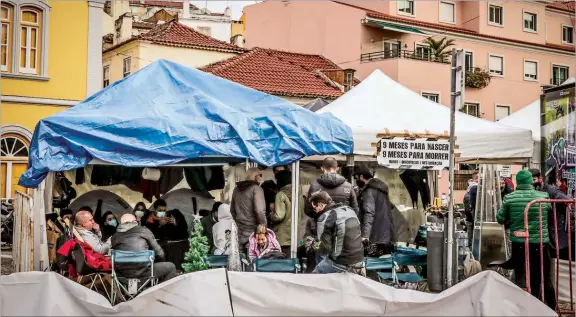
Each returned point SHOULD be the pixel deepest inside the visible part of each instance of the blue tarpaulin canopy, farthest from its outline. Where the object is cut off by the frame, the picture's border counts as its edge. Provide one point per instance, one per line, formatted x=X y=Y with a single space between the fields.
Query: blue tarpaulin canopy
x=168 y=113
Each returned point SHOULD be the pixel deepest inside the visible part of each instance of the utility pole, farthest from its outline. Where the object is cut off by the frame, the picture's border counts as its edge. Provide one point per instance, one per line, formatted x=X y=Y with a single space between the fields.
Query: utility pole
x=456 y=100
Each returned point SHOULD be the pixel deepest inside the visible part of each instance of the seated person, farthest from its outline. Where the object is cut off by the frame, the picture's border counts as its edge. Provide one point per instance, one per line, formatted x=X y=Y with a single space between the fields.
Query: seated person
x=108 y=225
x=167 y=225
x=262 y=242
x=222 y=231
x=90 y=232
x=130 y=236
x=140 y=211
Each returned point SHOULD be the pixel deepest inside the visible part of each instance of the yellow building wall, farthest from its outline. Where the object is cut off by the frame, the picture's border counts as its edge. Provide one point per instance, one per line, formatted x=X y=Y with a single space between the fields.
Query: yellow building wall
x=190 y=57
x=143 y=54
x=67 y=56
x=26 y=115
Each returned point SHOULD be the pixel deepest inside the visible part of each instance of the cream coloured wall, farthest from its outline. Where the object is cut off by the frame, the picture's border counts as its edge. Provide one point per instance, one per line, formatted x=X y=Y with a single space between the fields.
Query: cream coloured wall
x=115 y=58
x=195 y=58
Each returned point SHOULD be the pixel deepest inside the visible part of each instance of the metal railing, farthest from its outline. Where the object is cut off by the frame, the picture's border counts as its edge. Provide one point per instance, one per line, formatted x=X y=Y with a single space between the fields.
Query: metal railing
x=569 y=227
x=390 y=54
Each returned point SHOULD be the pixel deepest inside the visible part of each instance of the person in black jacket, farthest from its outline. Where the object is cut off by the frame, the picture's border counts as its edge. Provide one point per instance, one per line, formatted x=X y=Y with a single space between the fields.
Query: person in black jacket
x=335 y=185
x=375 y=211
x=167 y=225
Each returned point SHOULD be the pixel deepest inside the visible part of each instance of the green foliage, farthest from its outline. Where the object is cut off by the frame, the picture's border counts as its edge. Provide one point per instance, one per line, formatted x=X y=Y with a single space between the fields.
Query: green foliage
x=440 y=48
x=194 y=258
x=478 y=78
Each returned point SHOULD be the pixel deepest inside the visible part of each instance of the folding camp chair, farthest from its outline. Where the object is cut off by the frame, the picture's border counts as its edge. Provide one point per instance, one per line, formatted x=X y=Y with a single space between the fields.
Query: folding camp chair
x=97 y=280
x=216 y=261
x=276 y=265
x=129 y=287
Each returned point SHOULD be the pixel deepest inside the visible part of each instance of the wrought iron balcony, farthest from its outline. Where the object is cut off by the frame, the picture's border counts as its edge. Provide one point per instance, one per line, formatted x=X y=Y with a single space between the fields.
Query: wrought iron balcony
x=389 y=54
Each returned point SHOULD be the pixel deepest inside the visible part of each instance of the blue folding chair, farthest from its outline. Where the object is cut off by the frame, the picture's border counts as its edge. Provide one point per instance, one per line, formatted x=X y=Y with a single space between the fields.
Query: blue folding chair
x=276 y=265
x=216 y=261
x=129 y=287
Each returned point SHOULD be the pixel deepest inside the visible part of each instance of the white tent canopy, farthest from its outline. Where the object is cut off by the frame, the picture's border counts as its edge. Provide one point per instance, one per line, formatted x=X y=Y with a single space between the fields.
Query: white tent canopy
x=526 y=118
x=380 y=103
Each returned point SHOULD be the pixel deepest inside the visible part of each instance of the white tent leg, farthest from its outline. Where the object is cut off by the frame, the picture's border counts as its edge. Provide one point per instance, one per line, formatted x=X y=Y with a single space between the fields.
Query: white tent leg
x=295 y=215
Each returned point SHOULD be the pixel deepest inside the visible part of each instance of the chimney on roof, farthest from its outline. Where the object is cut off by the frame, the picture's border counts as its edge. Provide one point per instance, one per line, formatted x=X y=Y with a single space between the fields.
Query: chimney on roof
x=123 y=28
x=228 y=12
x=237 y=40
x=119 y=7
x=186 y=9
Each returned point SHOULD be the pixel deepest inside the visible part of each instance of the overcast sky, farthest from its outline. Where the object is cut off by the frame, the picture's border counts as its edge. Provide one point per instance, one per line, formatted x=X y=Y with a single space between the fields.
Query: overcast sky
x=219 y=6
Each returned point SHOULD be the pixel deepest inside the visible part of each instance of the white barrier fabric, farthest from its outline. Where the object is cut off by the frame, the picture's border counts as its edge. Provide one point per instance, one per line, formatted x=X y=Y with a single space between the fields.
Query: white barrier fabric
x=267 y=294
x=564 y=278
x=49 y=294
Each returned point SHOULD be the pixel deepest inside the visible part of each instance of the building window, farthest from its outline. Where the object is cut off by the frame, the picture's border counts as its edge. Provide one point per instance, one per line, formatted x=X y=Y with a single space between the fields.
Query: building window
x=495 y=14
x=559 y=74
x=126 y=64
x=406 y=7
x=13 y=147
x=423 y=52
x=348 y=80
x=205 y=30
x=447 y=12
x=469 y=61
x=391 y=49
x=106 y=76
x=530 y=70
x=567 y=34
x=472 y=109
x=6 y=18
x=461 y=178
x=30 y=34
x=431 y=96
x=502 y=112
x=496 y=65
x=530 y=22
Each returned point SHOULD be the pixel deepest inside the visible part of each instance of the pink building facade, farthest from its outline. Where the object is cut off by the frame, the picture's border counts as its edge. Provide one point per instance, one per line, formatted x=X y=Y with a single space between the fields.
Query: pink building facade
x=523 y=45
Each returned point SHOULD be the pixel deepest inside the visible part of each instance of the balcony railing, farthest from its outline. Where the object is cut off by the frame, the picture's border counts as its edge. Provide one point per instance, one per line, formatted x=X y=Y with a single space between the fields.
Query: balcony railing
x=380 y=55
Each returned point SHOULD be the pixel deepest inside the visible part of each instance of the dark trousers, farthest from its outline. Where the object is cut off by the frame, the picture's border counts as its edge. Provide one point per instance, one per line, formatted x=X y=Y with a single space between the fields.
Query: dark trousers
x=164 y=271
x=518 y=258
x=286 y=250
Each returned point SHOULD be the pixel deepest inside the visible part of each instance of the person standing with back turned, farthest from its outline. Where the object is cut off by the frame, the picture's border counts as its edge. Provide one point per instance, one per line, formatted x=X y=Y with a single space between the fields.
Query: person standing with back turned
x=512 y=211
x=248 y=206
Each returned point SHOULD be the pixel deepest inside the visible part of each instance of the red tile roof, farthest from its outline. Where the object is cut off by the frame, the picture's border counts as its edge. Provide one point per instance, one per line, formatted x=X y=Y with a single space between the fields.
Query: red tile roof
x=178 y=35
x=163 y=4
x=569 y=6
x=444 y=27
x=279 y=73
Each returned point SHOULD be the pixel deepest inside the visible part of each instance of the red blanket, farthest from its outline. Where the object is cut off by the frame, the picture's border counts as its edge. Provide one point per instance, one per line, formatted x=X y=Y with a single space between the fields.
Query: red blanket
x=95 y=260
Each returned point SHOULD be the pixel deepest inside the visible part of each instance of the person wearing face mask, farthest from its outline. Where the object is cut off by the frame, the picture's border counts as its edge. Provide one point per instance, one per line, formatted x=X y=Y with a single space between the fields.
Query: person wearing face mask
x=108 y=224
x=167 y=225
x=130 y=236
x=375 y=216
x=140 y=211
x=248 y=206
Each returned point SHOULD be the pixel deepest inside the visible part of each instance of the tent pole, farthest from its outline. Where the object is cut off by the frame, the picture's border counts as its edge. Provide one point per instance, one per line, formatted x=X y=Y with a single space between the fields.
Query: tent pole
x=295 y=201
x=457 y=79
